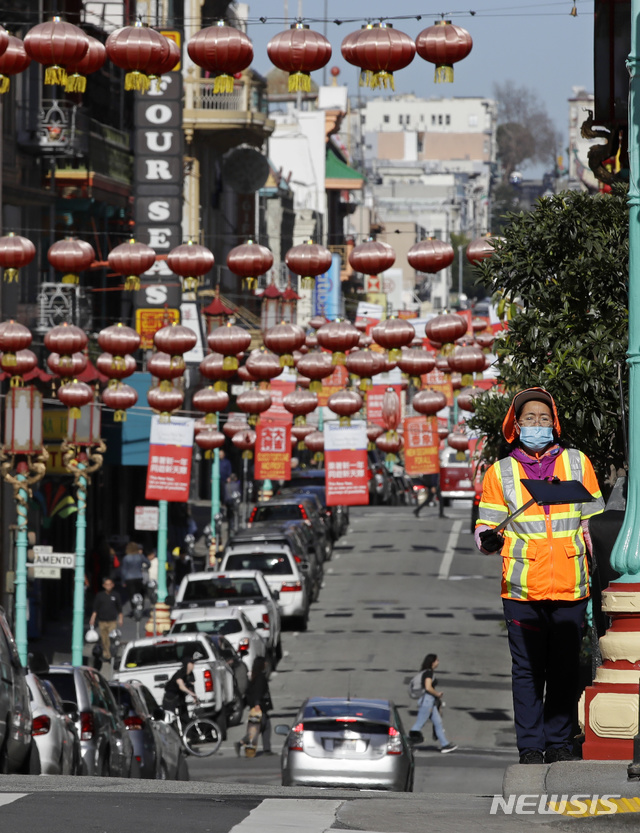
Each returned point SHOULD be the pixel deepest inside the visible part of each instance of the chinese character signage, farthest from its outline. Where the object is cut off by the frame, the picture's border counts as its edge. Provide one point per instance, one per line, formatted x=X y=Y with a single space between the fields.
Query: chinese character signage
x=273 y=450
x=436 y=380
x=375 y=395
x=421 y=445
x=278 y=389
x=347 y=467
x=169 y=469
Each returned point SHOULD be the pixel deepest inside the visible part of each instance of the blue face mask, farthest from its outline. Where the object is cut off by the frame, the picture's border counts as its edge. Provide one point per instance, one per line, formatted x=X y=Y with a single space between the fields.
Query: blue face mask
x=536 y=437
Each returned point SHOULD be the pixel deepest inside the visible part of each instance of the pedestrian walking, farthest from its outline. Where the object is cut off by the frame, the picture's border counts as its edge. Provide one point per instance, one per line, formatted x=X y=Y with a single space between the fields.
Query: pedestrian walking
x=107 y=611
x=545 y=573
x=258 y=699
x=131 y=569
x=429 y=706
x=430 y=483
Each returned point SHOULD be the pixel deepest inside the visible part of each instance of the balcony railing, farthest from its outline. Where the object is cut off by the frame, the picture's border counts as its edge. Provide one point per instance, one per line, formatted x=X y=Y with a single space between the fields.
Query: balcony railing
x=246 y=106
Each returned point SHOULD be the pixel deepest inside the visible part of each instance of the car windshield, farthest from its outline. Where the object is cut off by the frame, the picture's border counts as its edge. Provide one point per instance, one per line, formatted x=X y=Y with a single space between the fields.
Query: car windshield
x=451 y=457
x=209 y=626
x=299 y=487
x=346 y=708
x=166 y=652
x=277 y=512
x=64 y=684
x=210 y=589
x=122 y=696
x=274 y=564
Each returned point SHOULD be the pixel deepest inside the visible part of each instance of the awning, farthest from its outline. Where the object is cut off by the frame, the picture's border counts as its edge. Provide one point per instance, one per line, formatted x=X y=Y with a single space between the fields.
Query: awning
x=340 y=176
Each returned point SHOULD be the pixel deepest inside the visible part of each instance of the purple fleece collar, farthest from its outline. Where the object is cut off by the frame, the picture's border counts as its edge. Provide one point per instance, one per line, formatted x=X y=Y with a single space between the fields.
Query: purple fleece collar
x=538 y=468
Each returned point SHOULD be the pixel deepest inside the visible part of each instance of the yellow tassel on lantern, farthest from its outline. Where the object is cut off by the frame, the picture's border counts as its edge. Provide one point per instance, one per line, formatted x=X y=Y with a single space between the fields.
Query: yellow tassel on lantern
x=11 y=274
x=345 y=420
x=119 y=416
x=381 y=79
x=447 y=349
x=9 y=360
x=394 y=354
x=416 y=381
x=338 y=358
x=137 y=81
x=318 y=457
x=443 y=74
x=299 y=82
x=365 y=78
x=75 y=413
x=229 y=363
x=71 y=278
x=220 y=385
x=467 y=379
x=223 y=84
x=118 y=363
x=315 y=386
x=16 y=382
x=301 y=419
x=308 y=282
x=55 y=75
x=189 y=284
x=247 y=455
x=5 y=83
x=208 y=454
x=132 y=283
x=249 y=283
x=286 y=360
x=365 y=384
x=75 y=83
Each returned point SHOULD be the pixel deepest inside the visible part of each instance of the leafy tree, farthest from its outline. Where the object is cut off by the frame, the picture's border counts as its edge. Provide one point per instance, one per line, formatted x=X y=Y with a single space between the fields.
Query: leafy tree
x=560 y=273
x=525 y=131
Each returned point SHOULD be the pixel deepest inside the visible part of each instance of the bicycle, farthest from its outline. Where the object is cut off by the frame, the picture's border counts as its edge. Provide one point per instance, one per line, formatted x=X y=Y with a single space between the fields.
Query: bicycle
x=201 y=736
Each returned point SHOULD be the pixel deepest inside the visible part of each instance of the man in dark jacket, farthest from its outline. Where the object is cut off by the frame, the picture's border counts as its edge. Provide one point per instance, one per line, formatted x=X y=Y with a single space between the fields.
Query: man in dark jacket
x=107 y=610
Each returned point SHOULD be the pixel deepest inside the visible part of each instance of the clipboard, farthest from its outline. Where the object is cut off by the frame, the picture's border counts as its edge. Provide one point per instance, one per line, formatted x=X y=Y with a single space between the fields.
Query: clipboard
x=548 y=492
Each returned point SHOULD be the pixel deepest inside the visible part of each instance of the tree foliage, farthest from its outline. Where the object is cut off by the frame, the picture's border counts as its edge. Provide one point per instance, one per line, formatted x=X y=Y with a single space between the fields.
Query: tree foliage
x=525 y=130
x=561 y=274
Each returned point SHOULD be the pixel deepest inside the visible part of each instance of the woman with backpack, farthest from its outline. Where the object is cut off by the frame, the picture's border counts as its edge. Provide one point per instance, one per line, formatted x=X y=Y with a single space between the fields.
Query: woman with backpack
x=428 y=704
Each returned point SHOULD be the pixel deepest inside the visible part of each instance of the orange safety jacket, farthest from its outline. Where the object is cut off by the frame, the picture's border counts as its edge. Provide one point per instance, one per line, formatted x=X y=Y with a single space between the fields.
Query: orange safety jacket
x=544 y=554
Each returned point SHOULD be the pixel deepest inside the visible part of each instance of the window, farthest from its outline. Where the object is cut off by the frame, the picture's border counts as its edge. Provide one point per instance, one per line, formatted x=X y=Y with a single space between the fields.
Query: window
x=422 y=117
x=473 y=121
x=407 y=119
x=439 y=119
x=447 y=119
x=400 y=119
x=385 y=119
x=433 y=119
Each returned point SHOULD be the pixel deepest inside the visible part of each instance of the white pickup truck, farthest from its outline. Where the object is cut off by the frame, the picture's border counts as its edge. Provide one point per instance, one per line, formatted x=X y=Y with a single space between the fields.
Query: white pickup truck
x=154 y=660
x=243 y=589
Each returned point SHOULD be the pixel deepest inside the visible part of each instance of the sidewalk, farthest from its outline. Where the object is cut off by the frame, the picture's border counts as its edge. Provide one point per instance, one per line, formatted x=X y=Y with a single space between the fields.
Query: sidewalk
x=571 y=778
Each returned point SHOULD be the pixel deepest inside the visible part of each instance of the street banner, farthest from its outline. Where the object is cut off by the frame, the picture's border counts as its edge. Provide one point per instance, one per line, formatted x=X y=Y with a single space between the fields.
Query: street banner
x=332 y=384
x=169 y=469
x=421 y=443
x=375 y=395
x=346 y=464
x=273 y=450
x=436 y=380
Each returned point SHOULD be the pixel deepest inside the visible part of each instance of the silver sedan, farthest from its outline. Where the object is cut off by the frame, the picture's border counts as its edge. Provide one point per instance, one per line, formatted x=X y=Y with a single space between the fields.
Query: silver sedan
x=54 y=733
x=339 y=742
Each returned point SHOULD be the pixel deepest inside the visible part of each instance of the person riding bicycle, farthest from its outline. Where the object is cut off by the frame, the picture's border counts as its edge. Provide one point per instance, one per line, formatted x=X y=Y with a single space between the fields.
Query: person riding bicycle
x=179 y=686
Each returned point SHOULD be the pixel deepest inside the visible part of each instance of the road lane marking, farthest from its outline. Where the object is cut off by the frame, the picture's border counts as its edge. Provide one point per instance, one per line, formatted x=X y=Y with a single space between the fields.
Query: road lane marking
x=275 y=815
x=452 y=543
x=9 y=798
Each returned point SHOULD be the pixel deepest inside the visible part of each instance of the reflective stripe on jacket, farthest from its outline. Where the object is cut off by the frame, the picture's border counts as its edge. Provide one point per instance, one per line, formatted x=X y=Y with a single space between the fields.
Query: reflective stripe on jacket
x=544 y=554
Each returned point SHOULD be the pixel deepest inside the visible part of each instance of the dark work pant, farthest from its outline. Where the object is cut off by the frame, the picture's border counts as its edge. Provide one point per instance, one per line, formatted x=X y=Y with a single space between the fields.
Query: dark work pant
x=544 y=639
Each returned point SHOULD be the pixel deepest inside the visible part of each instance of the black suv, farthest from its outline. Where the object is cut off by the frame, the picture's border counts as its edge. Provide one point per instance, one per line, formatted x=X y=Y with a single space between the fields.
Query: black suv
x=299 y=508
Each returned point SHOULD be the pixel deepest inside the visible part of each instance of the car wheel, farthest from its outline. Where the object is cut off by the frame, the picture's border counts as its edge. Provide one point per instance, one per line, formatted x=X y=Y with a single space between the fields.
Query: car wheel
x=279 y=650
x=4 y=760
x=302 y=622
x=222 y=721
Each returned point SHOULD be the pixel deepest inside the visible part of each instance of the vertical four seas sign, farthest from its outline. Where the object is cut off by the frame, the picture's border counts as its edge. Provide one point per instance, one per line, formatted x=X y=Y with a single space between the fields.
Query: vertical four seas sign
x=421 y=445
x=169 y=469
x=158 y=178
x=273 y=451
x=347 y=467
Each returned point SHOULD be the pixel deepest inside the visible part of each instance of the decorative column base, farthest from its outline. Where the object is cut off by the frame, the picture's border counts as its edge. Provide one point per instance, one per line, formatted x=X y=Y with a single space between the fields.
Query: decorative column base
x=162 y=620
x=609 y=707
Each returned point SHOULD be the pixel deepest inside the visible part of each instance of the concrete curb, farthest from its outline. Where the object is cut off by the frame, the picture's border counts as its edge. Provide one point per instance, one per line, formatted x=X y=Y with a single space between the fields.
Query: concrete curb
x=571 y=778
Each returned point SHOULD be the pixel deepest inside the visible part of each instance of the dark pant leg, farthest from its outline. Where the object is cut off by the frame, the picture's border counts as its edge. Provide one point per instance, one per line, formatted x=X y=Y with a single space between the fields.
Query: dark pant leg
x=527 y=630
x=563 y=670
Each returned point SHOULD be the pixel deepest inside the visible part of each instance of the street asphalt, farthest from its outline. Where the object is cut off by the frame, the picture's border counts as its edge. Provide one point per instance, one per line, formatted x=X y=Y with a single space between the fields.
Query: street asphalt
x=397 y=588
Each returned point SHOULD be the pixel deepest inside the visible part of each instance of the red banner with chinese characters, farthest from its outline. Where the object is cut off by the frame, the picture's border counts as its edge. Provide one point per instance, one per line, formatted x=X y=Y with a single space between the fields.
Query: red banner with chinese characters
x=332 y=384
x=169 y=469
x=278 y=390
x=421 y=443
x=273 y=450
x=346 y=464
x=436 y=380
x=375 y=395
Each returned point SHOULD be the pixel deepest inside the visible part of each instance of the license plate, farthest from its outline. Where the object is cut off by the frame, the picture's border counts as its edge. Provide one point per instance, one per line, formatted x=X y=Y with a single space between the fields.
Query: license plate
x=464 y=484
x=346 y=745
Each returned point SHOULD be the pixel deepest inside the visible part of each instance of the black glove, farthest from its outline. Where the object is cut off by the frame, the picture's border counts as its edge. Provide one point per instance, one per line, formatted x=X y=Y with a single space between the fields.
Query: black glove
x=491 y=541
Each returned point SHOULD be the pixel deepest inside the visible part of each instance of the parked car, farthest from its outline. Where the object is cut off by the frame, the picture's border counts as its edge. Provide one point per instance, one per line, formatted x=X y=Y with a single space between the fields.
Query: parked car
x=235 y=662
x=230 y=622
x=54 y=732
x=18 y=751
x=154 y=660
x=247 y=590
x=292 y=509
x=156 y=746
x=314 y=483
x=106 y=749
x=347 y=742
x=282 y=573
x=456 y=476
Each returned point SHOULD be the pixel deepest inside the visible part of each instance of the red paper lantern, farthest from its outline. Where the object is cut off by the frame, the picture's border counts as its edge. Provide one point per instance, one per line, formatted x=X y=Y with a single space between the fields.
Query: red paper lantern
x=116 y=367
x=430 y=256
x=379 y=50
x=467 y=361
x=118 y=340
x=300 y=432
x=283 y=340
x=4 y=40
x=391 y=410
x=91 y=62
x=245 y=441
x=56 y=45
x=345 y=403
x=365 y=364
x=165 y=367
x=318 y=321
x=75 y=395
x=392 y=334
x=254 y=403
x=17 y=364
x=120 y=397
x=311 y=341
x=458 y=441
x=315 y=366
x=13 y=61
x=191 y=261
x=391 y=445
x=67 y=366
x=416 y=362
x=299 y=51
x=372 y=257
x=263 y=365
x=443 y=44
x=429 y=402
x=248 y=261
x=209 y=439
x=66 y=339
x=223 y=50
x=137 y=49
x=212 y=368
x=482 y=248
x=478 y=324
x=374 y=431
x=131 y=259
x=244 y=375
x=15 y=252
x=308 y=260
x=13 y=337
x=164 y=64
x=467 y=397
x=165 y=400
x=338 y=336
x=71 y=256
x=210 y=401
x=485 y=340
x=315 y=442
x=229 y=341
x=175 y=339
x=300 y=403
x=235 y=423
x=445 y=329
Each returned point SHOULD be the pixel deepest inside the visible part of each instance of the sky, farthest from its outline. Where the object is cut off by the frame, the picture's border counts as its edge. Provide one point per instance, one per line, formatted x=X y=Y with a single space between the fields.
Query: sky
x=535 y=44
